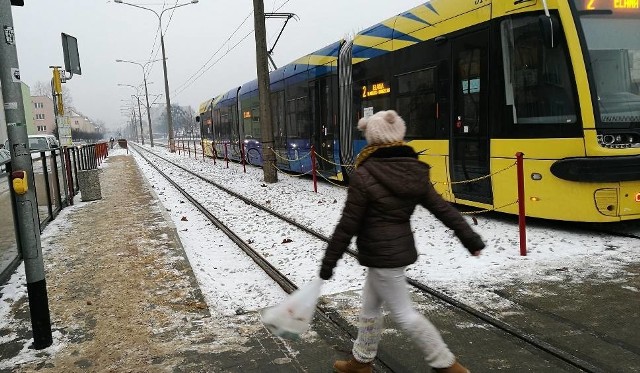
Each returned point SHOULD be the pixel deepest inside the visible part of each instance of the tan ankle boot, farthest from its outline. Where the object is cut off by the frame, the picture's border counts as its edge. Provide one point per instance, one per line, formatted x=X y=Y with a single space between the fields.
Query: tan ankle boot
x=455 y=368
x=352 y=366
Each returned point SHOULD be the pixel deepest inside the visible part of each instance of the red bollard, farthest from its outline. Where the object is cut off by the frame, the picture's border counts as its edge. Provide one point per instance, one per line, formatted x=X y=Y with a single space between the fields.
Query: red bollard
x=313 y=168
x=521 y=204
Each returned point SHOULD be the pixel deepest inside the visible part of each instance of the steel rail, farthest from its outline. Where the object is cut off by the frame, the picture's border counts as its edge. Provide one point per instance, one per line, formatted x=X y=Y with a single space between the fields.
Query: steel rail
x=329 y=315
x=526 y=337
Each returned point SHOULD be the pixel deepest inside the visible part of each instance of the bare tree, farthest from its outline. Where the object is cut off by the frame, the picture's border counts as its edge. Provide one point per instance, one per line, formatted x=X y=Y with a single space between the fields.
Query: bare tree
x=41 y=88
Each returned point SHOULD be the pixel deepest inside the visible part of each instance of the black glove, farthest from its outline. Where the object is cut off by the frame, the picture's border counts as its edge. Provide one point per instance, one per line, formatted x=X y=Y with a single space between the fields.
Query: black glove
x=472 y=241
x=326 y=272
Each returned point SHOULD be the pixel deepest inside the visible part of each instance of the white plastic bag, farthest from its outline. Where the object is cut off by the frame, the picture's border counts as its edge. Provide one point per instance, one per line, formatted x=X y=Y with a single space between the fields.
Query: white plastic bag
x=293 y=316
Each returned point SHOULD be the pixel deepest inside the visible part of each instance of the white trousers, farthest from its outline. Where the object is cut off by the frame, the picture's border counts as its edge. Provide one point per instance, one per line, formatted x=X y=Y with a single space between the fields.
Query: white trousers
x=388 y=286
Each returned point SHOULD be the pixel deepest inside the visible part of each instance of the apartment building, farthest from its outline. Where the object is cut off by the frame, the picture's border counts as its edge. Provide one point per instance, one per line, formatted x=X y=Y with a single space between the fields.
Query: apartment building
x=79 y=122
x=44 y=118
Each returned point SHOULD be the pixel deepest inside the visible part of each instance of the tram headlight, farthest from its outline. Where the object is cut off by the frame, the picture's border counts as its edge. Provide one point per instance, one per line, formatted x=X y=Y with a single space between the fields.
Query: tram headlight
x=536 y=176
x=608 y=139
x=618 y=141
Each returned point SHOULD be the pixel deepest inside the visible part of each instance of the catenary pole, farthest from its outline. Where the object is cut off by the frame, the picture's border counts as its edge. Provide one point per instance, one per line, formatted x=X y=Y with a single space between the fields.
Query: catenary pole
x=140 y=117
x=164 y=64
x=146 y=93
x=28 y=224
x=172 y=144
x=269 y=157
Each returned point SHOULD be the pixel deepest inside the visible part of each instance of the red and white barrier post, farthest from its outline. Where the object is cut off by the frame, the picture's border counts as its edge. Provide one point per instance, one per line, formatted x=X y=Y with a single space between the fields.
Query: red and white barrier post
x=521 y=204
x=313 y=168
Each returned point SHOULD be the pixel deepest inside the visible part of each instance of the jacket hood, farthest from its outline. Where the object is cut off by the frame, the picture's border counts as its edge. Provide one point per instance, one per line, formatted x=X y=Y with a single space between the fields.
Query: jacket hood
x=399 y=170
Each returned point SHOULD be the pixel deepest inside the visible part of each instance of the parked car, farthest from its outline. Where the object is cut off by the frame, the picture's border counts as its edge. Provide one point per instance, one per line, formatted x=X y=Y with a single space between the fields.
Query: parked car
x=43 y=142
x=40 y=143
x=5 y=157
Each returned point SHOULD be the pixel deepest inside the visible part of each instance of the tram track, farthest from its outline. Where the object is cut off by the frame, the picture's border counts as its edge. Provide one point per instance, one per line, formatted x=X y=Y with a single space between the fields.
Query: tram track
x=334 y=317
x=325 y=313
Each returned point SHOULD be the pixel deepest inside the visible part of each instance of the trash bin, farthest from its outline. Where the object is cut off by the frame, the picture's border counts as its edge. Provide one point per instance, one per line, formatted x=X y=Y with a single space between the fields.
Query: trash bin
x=89 y=183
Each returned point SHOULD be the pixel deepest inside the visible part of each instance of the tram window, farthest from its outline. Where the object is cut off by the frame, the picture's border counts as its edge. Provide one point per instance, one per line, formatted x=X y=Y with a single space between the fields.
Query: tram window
x=418 y=112
x=255 y=122
x=416 y=103
x=277 y=118
x=216 y=123
x=423 y=80
x=233 y=121
x=538 y=87
x=299 y=125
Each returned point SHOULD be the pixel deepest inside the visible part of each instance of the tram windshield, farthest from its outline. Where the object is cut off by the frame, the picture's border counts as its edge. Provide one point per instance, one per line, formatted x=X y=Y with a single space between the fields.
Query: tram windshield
x=613 y=39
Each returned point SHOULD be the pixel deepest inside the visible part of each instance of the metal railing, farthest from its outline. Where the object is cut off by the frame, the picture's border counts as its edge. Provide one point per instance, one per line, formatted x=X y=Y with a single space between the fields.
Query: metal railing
x=55 y=174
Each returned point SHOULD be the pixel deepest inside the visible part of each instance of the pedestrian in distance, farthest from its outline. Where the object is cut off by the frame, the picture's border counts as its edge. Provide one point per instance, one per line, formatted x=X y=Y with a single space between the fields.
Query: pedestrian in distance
x=111 y=141
x=387 y=185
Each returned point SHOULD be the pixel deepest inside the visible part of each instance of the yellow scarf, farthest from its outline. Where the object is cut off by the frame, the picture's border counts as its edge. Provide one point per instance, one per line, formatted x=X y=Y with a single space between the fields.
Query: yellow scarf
x=369 y=149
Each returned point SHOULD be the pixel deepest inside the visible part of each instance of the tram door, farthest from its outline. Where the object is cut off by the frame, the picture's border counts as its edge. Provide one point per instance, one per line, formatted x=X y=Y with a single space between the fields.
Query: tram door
x=469 y=126
x=322 y=121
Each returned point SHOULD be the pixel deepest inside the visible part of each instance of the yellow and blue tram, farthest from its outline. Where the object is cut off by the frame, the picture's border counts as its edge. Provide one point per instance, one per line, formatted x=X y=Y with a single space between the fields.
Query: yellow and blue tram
x=476 y=81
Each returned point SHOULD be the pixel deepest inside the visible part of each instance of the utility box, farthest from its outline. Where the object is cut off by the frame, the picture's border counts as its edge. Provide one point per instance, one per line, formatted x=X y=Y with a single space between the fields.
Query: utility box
x=89 y=183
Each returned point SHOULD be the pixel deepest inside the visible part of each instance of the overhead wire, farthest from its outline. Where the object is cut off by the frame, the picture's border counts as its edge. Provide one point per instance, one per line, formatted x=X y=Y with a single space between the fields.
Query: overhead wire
x=154 y=52
x=189 y=81
x=204 y=68
x=215 y=62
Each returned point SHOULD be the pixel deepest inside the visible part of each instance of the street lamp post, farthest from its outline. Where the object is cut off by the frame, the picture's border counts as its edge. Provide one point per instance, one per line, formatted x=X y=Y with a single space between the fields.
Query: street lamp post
x=132 y=122
x=146 y=93
x=137 y=96
x=164 y=65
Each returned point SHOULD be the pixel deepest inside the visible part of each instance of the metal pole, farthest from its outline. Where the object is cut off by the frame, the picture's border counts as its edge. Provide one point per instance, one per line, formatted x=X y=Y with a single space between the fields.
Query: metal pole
x=140 y=117
x=133 y=123
x=172 y=148
x=164 y=64
x=146 y=93
x=26 y=206
x=269 y=169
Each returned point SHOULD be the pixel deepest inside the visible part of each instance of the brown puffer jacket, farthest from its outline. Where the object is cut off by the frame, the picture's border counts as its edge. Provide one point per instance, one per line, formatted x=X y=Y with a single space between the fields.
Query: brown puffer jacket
x=383 y=193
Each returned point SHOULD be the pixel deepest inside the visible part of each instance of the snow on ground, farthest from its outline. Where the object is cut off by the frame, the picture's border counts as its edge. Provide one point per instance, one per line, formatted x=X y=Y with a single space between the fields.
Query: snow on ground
x=554 y=254
x=231 y=282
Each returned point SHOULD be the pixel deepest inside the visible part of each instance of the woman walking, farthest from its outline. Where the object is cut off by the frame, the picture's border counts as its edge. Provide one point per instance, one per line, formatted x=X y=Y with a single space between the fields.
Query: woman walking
x=389 y=182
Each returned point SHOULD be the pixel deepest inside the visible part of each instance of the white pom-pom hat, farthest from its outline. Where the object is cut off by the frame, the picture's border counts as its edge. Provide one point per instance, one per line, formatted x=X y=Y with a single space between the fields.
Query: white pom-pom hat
x=383 y=127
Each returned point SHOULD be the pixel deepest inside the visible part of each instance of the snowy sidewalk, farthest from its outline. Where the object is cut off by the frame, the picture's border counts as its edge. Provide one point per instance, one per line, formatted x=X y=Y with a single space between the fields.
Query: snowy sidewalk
x=122 y=294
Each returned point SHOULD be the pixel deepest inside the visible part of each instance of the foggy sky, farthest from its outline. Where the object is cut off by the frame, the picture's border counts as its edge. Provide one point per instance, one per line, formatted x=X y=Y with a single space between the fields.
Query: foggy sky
x=107 y=31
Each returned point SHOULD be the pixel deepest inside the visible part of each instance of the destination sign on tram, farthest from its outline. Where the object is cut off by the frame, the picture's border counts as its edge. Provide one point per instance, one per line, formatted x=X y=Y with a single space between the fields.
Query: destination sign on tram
x=375 y=89
x=617 y=7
